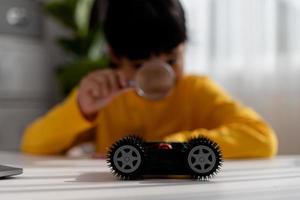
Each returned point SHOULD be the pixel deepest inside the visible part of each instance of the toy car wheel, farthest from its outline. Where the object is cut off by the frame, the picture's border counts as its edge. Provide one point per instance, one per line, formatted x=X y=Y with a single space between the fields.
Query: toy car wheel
x=204 y=158
x=126 y=157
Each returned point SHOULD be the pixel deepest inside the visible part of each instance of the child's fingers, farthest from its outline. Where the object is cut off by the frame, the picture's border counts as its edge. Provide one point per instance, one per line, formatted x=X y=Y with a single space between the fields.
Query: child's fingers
x=98 y=89
x=102 y=83
x=91 y=88
x=108 y=80
x=112 y=80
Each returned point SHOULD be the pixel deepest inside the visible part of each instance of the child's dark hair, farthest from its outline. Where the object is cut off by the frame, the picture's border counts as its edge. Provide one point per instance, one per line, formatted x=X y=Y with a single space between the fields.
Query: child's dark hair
x=137 y=29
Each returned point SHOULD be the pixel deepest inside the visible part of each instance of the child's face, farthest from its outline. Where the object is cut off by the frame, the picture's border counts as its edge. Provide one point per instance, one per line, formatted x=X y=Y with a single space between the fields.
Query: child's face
x=174 y=58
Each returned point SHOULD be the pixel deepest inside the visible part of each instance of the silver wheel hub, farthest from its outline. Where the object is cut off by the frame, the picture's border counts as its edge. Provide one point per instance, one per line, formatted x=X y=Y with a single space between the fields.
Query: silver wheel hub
x=127 y=159
x=201 y=159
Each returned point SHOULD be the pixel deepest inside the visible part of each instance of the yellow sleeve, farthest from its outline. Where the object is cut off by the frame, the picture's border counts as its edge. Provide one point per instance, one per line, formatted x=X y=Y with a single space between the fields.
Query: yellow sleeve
x=240 y=132
x=57 y=130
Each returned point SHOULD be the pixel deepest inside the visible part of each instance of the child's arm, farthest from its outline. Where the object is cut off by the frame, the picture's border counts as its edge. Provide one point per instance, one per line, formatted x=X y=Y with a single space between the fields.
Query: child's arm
x=238 y=130
x=57 y=130
x=66 y=124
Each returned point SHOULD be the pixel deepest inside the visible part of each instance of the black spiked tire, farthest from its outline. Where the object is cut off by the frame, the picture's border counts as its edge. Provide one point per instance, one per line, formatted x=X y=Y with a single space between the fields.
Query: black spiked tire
x=134 y=142
x=214 y=150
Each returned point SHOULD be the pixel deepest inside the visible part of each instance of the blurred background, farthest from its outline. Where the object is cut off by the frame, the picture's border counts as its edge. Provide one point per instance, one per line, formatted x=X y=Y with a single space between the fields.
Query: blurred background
x=250 y=47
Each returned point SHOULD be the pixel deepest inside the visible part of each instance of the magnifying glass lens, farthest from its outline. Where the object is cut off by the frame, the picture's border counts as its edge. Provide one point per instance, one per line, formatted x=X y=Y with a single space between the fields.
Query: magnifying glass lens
x=154 y=80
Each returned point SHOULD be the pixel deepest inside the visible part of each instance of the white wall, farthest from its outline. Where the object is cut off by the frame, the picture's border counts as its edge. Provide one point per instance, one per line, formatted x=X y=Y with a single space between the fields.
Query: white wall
x=252 y=48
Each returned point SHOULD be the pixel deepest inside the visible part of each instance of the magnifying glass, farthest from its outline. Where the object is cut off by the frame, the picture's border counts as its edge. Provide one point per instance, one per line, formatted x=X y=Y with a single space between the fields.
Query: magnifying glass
x=154 y=80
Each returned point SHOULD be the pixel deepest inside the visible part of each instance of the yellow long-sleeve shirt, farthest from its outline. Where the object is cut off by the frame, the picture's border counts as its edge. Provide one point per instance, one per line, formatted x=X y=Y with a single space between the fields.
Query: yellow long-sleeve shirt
x=196 y=106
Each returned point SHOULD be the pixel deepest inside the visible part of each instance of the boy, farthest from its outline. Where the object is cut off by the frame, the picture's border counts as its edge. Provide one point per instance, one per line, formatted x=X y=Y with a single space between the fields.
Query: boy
x=138 y=31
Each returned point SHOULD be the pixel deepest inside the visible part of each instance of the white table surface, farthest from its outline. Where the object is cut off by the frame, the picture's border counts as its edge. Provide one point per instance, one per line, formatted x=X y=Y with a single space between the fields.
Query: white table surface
x=60 y=178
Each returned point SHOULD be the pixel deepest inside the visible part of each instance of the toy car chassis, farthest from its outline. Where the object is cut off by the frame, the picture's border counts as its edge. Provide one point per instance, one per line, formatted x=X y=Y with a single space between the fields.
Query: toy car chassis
x=133 y=158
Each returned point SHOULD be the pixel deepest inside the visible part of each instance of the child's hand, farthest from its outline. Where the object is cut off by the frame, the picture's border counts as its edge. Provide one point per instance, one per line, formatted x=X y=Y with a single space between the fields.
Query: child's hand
x=97 y=89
